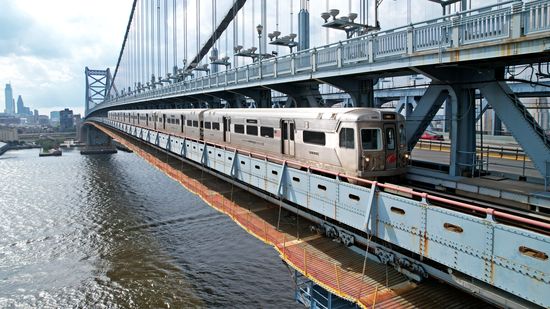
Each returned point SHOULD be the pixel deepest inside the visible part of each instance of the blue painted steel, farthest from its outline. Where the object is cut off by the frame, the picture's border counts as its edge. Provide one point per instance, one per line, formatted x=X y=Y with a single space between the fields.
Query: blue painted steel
x=495 y=253
x=504 y=29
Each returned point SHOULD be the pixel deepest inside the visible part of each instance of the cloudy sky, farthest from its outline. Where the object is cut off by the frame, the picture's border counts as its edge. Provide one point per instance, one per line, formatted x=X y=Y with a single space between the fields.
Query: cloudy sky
x=45 y=45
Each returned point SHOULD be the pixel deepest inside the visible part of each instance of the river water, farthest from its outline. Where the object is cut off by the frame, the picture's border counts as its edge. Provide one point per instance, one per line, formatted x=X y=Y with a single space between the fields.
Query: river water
x=111 y=231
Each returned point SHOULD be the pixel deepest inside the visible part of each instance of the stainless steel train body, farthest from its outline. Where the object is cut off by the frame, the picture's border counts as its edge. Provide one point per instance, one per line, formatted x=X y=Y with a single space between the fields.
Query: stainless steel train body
x=362 y=142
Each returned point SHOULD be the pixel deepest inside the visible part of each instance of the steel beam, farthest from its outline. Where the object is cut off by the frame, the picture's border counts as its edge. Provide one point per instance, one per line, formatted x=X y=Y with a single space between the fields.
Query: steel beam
x=463 y=134
x=261 y=96
x=519 y=122
x=300 y=95
x=425 y=111
x=360 y=90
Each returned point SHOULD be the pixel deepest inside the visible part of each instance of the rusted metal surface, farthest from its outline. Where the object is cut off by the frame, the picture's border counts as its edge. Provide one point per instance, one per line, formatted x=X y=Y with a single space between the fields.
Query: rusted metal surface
x=328 y=263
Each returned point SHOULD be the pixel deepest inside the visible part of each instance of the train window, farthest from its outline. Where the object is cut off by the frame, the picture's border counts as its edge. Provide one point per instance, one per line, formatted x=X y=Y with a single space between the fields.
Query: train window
x=208 y=125
x=189 y=123
x=370 y=139
x=316 y=138
x=252 y=130
x=402 y=135
x=195 y=123
x=177 y=121
x=390 y=138
x=239 y=128
x=215 y=126
x=347 y=138
x=266 y=132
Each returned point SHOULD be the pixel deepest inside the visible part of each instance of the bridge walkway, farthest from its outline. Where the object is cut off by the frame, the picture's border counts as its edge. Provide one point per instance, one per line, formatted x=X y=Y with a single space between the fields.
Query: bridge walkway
x=330 y=264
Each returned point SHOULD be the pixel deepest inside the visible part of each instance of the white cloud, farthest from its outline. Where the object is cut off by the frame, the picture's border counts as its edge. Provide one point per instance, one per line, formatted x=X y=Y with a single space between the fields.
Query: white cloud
x=45 y=46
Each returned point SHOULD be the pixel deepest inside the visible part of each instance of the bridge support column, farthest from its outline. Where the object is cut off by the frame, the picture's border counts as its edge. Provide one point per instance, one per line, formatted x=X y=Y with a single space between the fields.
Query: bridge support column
x=261 y=96
x=462 y=133
x=94 y=137
x=300 y=95
x=360 y=90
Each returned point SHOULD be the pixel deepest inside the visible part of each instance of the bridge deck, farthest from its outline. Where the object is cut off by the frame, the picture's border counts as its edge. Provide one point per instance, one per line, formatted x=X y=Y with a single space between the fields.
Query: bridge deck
x=330 y=264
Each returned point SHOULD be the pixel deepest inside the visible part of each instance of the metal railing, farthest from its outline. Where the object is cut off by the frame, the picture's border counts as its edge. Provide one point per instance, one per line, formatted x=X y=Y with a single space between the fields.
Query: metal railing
x=500 y=21
x=486 y=155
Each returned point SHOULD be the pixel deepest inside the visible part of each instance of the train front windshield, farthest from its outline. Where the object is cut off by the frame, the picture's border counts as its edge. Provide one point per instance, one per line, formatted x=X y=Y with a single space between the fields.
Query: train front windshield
x=370 y=139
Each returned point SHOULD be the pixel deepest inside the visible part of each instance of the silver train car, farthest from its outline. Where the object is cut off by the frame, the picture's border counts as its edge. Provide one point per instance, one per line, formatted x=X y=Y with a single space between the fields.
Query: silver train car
x=360 y=142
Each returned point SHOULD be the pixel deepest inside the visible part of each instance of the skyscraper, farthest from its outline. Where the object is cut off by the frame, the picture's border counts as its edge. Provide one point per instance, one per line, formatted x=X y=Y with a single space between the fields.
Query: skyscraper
x=21 y=108
x=10 y=104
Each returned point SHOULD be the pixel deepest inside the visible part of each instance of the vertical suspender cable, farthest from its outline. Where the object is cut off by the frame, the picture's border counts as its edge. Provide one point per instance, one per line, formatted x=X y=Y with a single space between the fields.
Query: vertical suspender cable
x=142 y=69
x=326 y=30
x=291 y=16
x=185 y=32
x=147 y=42
x=165 y=37
x=198 y=27
x=243 y=25
x=174 y=38
x=235 y=35
x=152 y=46
x=159 y=57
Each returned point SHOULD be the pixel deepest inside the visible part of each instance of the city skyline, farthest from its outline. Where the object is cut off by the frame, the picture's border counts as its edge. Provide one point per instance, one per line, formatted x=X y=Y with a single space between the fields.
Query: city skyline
x=13 y=108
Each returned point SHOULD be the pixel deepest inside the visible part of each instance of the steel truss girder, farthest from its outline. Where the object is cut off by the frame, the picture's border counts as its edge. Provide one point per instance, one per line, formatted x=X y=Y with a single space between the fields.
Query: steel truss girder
x=303 y=95
x=425 y=111
x=519 y=122
x=360 y=90
x=261 y=96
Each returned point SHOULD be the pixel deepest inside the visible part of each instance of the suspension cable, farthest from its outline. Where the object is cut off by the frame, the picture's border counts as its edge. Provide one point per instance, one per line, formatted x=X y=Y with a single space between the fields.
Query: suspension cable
x=152 y=42
x=165 y=37
x=159 y=57
x=198 y=27
x=174 y=38
x=185 y=32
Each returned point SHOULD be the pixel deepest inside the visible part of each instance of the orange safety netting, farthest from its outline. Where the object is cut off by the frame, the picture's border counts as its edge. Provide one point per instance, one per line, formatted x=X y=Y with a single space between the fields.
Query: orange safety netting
x=346 y=279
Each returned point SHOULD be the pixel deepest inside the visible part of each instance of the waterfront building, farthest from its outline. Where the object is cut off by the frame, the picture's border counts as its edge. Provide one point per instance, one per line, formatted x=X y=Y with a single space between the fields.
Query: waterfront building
x=10 y=104
x=66 y=121
x=8 y=134
x=54 y=118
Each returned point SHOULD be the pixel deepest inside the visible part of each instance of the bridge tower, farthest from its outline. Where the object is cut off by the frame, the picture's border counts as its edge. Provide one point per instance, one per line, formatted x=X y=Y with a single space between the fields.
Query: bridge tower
x=98 y=83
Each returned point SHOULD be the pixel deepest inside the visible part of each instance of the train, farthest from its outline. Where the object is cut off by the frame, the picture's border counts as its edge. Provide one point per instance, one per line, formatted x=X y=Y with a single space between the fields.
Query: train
x=360 y=142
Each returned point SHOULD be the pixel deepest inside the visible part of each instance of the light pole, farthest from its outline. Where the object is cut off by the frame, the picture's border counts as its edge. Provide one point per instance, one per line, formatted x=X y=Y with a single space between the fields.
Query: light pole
x=260 y=28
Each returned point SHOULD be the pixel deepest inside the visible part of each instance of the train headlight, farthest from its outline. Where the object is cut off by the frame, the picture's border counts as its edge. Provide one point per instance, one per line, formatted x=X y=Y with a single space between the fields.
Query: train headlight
x=407 y=156
x=367 y=159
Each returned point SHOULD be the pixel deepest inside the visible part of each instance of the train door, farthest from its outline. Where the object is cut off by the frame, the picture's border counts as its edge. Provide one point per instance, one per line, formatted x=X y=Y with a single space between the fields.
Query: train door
x=182 y=121
x=390 y=141
x=287 y=129
x=349 y=156
x=164 y=121
x=226 y=129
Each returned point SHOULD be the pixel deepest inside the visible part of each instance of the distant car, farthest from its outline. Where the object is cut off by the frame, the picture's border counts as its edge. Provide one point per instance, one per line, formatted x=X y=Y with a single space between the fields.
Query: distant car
x=429 y=135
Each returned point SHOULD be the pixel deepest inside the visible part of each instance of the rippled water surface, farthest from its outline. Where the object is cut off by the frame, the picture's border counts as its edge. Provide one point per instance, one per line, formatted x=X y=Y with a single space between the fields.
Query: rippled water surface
x=113 y=232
